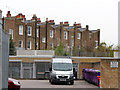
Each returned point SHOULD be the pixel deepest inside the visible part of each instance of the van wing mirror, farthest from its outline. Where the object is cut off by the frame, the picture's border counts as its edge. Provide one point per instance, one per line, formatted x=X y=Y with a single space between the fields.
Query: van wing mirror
x=50 y=69
x=73 y=69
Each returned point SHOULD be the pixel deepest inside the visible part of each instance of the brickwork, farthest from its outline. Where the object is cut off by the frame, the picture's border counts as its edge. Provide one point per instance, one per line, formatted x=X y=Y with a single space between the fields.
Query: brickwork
x=86 y=37
x=109 y=76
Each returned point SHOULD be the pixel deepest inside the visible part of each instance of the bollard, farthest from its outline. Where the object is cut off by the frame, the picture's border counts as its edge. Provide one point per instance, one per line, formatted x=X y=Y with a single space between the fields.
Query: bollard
x=98 y=79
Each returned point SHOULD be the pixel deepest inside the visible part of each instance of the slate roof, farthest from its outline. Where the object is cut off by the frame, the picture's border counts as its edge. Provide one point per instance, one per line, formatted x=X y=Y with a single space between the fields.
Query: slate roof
x=93 y=31
x=69 y=27
x=28 y=21
x=55 y=26
x=81 y=29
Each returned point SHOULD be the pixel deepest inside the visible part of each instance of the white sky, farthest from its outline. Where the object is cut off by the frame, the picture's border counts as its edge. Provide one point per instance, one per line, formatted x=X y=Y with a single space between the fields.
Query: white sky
x=98 y=14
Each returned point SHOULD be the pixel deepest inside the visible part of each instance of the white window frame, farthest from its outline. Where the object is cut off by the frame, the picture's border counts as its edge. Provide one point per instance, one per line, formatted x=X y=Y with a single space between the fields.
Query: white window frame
x=37 y=45
x=90 y=35
x=52 y=45
x=96 y=44
x=21 y=44
x=78 y=46
x=65 y=35
x=37 y=32
x=11 y=32
x=78 y=35
x=51 y=33
x=20 y=29
x=30 y=45
x=43 y=40
x=29 y=29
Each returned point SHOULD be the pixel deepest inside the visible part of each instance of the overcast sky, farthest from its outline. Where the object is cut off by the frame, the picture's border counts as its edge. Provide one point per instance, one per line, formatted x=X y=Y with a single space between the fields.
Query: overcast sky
x=98 y=14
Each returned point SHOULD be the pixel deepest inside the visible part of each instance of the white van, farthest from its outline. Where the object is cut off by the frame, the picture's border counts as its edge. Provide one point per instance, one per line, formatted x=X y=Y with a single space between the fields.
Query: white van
x=61 y=71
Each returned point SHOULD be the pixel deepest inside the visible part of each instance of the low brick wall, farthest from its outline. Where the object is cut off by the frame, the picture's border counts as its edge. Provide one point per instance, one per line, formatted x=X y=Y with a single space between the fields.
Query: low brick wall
x=109 y=75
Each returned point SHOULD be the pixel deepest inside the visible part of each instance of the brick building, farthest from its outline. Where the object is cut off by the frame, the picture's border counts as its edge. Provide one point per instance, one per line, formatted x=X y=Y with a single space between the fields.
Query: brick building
x=36 y=35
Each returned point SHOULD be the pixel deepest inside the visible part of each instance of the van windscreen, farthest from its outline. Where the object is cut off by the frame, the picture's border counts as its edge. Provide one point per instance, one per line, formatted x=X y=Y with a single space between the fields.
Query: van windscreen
x=62 y=66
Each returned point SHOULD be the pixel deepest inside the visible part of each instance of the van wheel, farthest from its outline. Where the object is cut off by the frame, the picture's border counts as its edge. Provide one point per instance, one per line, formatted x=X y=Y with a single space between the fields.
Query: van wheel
x=51 y=81
x=72 y=83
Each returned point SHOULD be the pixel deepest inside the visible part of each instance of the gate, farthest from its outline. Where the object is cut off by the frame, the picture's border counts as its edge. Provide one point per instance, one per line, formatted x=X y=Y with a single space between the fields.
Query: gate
x=42 y=70
x=27 y=70
x=14 y=69
x=75 y=65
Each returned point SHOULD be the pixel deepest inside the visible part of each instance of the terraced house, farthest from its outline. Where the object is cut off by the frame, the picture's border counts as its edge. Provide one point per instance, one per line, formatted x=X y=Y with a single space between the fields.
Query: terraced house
x=36 y=35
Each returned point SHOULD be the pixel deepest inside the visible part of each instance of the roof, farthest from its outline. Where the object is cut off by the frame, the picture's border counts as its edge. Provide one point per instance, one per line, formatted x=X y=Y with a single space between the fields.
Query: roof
x=62 y=60
x=40 y=24
x=93 y=31
x=55 y=26
x=81 y=29
x=28 y=21
x=69 y=27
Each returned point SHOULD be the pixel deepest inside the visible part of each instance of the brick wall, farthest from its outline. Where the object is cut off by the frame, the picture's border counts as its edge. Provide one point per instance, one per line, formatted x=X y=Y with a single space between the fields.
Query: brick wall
x=84 y=41
x=109 y=76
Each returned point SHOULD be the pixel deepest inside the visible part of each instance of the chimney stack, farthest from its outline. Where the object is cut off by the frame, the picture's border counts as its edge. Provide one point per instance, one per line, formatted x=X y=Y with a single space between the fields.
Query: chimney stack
x=74 y=24
x=46 y=19
x=38 y=20
x=78 y=25
x=87 y=27
x=66 y=23
x=51 y=22
x=61 y=23
x=34 y=17
x=8 y=14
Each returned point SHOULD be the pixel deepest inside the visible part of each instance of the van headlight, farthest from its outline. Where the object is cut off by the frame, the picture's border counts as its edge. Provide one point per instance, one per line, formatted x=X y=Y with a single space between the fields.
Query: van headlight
x=54 y=72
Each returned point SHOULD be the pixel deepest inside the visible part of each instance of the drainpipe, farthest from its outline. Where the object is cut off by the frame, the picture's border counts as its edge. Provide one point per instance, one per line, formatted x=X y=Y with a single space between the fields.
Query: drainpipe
x=79 y=69
x=74 y=32
x=3 y=25
x=25 y=36
x=46 y=32
x=35 y=31
x=39 y=38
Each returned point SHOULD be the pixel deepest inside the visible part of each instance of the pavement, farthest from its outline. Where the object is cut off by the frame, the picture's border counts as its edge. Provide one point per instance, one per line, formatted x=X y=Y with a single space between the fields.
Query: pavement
x=46 y=84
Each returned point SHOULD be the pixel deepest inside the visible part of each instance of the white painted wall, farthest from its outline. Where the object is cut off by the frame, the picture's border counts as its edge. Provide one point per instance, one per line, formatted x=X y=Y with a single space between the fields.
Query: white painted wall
x=4 y=56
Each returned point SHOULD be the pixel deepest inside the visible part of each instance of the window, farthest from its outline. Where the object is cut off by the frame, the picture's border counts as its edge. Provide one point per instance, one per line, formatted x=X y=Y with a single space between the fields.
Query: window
x=20 y=44
x=51 y=33
x=90 y=35
x=52 y=45
x=37 y=45
x=29 y=31
x=20 y=29
x=78 y=46
x=37 y=32
x=96 y=44
x=11 y=32
x=29 y=45
x=65 y=35
x=58 y=42
x=43 y=40
x=78 y=35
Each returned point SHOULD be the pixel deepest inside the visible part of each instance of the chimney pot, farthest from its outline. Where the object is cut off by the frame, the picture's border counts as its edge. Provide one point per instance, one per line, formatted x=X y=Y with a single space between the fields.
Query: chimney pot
x=66 y=22
x=87 y=27
x=38 y=19
x=46 y=19
x=61 y=23
x=51 y=21
x=8 y=14
x=98 y=29
x=79 y=24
